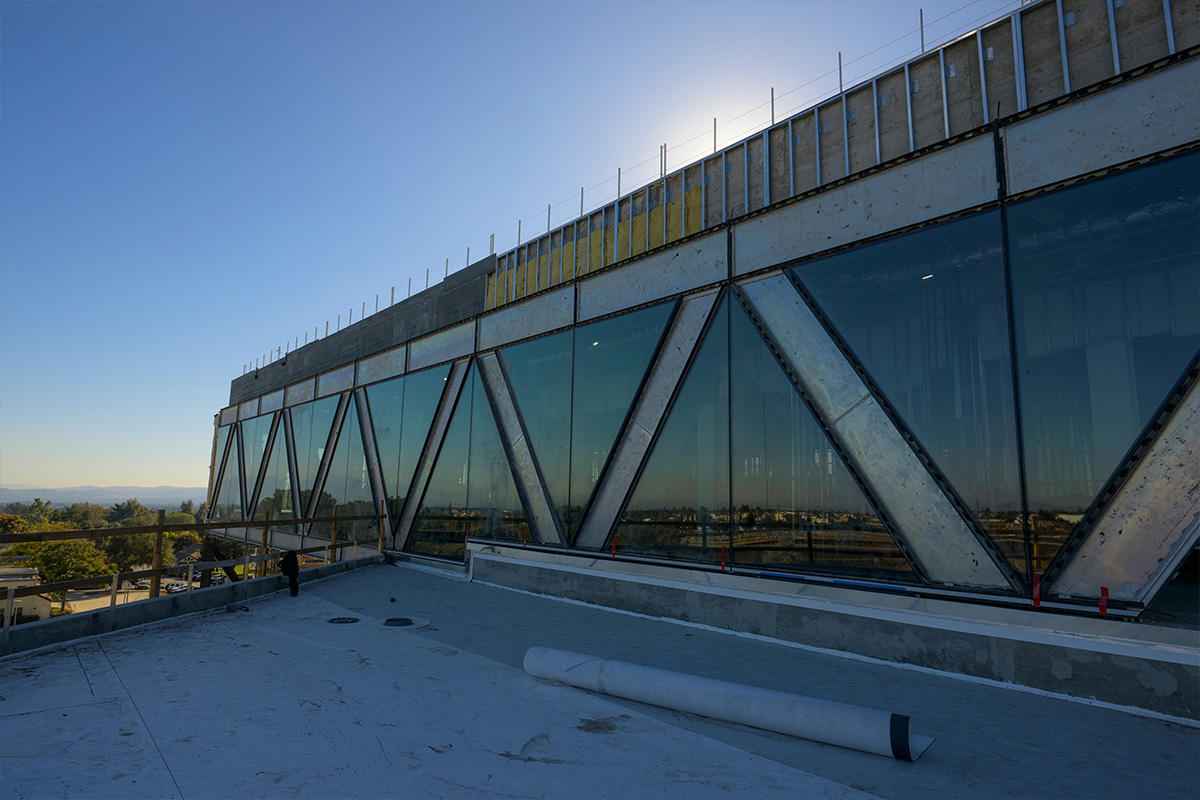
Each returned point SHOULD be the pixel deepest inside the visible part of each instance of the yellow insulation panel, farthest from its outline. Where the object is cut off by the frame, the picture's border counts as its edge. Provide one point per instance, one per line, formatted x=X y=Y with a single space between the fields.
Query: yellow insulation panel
x=490 y=300
x=637 y=234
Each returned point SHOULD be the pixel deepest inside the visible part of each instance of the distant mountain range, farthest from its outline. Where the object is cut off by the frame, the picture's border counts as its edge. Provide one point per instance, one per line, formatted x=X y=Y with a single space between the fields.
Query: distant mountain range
x=153 y=497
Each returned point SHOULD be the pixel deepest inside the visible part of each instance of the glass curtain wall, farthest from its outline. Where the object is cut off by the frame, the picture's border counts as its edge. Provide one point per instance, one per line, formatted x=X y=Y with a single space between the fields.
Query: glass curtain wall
x=348 y=485
x=1106 y=289
x=494 y=506
x=441 y=525
x=795 y=505
x=926 y=316
x=228 y=503
x=402 y=412
x=255 y=433
x=680 y=505
x=574 y=390
x=311 y=423
x=275 y=499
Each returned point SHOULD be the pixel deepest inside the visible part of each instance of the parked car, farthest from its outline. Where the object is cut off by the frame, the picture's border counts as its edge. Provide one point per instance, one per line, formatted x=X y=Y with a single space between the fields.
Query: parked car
x=174 y=586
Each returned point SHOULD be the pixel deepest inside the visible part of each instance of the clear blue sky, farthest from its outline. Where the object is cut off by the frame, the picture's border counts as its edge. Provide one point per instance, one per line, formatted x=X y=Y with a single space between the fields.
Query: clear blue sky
x=185 y=186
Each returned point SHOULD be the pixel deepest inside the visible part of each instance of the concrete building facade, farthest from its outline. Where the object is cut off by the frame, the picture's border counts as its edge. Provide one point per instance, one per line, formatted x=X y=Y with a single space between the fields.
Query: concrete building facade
x=910 y=374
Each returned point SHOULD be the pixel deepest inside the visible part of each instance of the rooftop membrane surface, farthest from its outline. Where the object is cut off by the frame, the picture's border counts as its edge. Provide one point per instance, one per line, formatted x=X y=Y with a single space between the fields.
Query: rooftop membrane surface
x=268 y=699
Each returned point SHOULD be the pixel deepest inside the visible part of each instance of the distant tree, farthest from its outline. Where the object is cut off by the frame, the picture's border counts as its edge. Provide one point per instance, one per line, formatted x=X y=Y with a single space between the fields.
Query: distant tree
x=179 y=518
x=188 y=507
x=184 y=539
x=63 y=561
x=13 y=523
x=129 y=551
x=83 y=516
x=130 y=514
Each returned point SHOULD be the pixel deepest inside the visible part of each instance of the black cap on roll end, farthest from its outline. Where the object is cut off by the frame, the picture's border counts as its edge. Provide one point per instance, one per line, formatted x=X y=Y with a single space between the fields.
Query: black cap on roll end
x=899 y=731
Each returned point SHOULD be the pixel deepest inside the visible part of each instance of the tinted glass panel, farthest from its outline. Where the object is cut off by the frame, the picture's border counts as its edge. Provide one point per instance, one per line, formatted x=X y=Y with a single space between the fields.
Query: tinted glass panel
x=1178 y=603
x=926 y=316
x=1106 y=281
x=348 y=486
x=387 y=409
x=442 y=523
x=680 y=506
x=228 y=504
x=539 y=373
x=422 y=393
x=611 y=357
x=494 y=506
x=275 y=499
x=310 y=426
x=254 y=446
x=794 y=503
x=219 y=452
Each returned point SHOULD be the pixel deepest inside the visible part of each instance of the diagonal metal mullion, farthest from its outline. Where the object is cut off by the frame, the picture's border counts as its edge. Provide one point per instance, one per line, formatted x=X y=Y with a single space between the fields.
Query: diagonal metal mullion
x=933 y=530
x=371 y=452
x=327 y=458
x=539 y=508
x=429 y=454
x=662 y=380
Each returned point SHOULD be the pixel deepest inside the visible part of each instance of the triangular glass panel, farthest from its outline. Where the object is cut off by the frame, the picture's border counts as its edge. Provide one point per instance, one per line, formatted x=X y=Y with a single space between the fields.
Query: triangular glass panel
x=311 y=423
x=402 y=412
x=925 y=315
x=539 y=374
x=219 y=458
x=611 y=359
x=227 y=506
x=1106 y=302
x=795 y=505
x=275 y=499
x=494 y=505
x=255 y=433
x=680 y=506
x=348 y=484
x=441 y=525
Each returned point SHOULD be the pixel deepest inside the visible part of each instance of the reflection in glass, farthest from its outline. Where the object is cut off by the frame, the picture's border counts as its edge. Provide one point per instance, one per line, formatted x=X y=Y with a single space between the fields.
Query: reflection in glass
x=611 y=358
x=1106 y=285
x=926 y=316
x=387 y=410
x=275 y=499
x=228 y=503
x=680 y=506
x=311 y=423
x=254 y=445
x=493 y=505
x=348 y=485
x=1178 y=603
x=441 y=525
x=539 y=374
x=795 y=505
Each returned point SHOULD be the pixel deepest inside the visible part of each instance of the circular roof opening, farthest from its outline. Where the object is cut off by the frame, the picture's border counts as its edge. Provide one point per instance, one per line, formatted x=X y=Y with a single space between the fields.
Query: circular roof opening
x=343 y=620
x=398 y=622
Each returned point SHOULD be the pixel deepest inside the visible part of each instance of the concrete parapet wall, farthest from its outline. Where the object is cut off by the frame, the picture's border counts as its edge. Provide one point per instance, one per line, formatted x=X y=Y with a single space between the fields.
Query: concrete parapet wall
x=1109 y=661
x=105 y=620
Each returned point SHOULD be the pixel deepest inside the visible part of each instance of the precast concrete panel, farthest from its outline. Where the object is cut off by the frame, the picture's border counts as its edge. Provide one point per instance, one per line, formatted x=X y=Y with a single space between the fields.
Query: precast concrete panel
x=301 y=392
x=892 y=99
x=530 y=485
x=943 y=182
x=832 y=141
x=433 y=445
x=688 y=266
x=1089 y=46
x=1141 y=33
x=963 y=86
x=1185 y=24
x=1043 y=54
x=1134 y=119
x=270 y=402
x=944 y=546
x=442 y=346
x=630 y=450
x=804 y=152
x=1151 y=524
x=248 y=409
x=999 y=69
x=780 y=163
x=861 y=126
x=388 y=364
x=928 y=113
x=536 y=315
x=334 y=381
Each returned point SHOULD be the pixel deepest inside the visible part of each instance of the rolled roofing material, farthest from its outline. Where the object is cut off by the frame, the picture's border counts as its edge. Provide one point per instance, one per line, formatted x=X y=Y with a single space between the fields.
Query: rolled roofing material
x=866 y=729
